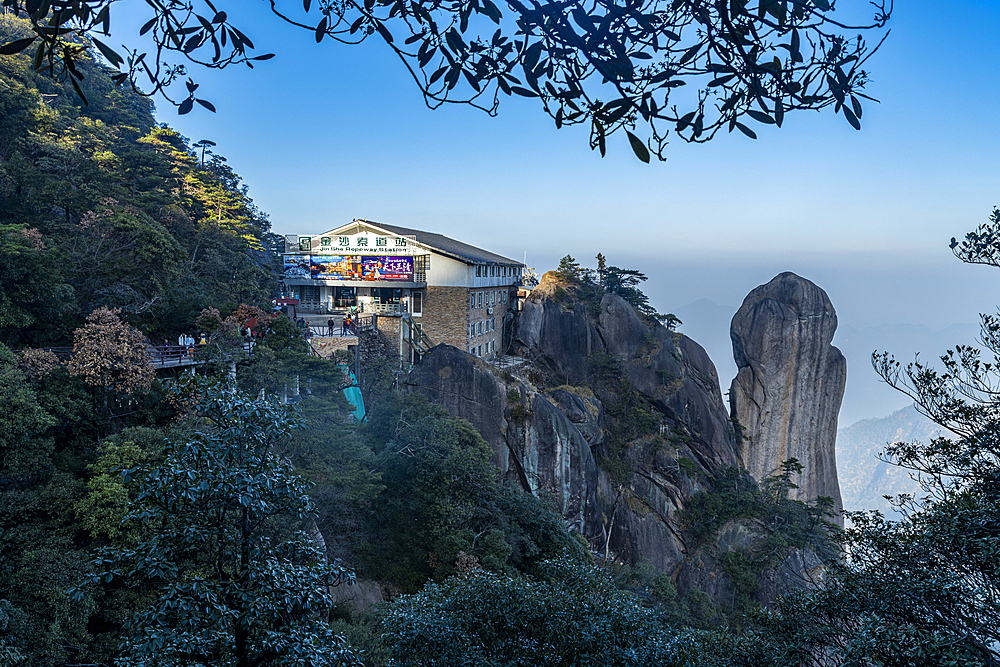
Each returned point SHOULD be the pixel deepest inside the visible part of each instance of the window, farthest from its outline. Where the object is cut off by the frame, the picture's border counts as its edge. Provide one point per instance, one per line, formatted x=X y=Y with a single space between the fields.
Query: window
x=480 y=299
x=472 y=350
x=480 y=328
x=472 y=330
x=472 y=300
x=480 y=350
x=417 y=302
x=479 y=271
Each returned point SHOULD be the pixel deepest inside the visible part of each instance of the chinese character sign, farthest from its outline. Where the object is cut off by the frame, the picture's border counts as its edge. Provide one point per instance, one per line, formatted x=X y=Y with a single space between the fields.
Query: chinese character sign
x=349 y=267
x=387 y=268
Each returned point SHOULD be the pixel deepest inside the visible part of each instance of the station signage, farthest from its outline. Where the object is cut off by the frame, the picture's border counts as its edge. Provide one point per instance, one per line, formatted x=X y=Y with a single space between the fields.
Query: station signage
x=358 y=243
x=374 y=268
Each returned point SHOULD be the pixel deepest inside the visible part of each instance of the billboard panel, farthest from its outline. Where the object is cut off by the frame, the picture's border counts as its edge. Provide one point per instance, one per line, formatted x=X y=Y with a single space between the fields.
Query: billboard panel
x=297 y=266
x=387 y=268
x=335 y=267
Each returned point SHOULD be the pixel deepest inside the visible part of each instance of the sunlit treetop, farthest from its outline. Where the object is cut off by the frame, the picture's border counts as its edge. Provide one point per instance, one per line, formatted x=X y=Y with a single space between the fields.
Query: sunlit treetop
x=647 y=67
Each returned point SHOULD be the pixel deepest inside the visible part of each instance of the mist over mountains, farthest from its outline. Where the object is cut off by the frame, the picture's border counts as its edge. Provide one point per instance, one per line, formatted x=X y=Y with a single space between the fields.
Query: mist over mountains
x=865 y=479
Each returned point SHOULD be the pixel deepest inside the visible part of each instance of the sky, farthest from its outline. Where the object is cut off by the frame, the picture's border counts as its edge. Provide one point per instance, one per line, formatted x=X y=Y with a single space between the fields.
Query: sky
x=324 y=134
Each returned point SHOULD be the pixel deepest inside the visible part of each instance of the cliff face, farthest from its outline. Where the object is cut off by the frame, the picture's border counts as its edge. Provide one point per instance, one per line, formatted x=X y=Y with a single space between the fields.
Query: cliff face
x=790 y=383
x=556 y=421
x=548 y=429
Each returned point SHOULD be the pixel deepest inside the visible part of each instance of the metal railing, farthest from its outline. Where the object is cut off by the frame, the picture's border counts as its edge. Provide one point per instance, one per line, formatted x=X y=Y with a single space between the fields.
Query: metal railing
x=361 y=323
x=385 y=308
x=414 y=336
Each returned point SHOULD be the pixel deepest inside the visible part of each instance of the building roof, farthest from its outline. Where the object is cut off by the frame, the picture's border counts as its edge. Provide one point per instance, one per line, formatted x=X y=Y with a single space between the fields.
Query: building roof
x=443 y=244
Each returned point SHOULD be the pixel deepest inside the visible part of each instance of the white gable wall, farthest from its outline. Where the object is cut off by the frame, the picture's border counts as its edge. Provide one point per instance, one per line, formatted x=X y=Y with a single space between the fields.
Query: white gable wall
x=448 y=272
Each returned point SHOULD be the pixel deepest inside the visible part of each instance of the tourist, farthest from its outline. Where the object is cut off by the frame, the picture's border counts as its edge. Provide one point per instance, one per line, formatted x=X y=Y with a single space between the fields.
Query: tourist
x=329 y=327
x=202 y=340
x=343 y=325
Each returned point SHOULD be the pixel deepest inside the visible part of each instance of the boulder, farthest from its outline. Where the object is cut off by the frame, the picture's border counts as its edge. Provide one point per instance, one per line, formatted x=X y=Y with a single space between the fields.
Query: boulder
x=790 y=383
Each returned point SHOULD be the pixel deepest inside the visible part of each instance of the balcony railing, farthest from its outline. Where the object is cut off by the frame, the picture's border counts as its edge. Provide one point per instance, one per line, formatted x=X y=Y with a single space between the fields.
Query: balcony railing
x=385 y=308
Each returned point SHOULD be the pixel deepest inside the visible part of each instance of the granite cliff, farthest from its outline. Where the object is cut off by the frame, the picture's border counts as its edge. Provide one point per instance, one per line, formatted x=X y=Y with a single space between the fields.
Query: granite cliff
x=621 y=421
x=790 y=383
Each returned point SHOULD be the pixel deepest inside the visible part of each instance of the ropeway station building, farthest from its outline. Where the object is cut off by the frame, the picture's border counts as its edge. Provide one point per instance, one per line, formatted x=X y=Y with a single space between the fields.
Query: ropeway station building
x=425 y=288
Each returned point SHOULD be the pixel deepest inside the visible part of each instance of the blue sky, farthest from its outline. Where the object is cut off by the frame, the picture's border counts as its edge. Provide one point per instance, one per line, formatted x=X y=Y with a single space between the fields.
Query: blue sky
x=327 y=133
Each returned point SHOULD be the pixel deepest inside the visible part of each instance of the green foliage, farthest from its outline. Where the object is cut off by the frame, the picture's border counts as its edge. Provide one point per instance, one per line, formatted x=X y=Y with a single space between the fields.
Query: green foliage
x=535 y=531
x=569 y=269
x=736 y=495
x=228 y=572
x=90 y=193
x=31 y=302
x=39 y=557
x=102 y=512
x=442 y=497
x=569 y=614
x=441 y=490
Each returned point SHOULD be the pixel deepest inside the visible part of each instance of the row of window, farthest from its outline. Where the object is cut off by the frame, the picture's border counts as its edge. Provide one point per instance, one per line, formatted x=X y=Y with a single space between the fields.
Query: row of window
x=476 y=329
x=477 y=350
x=494 y=271
x=479 y=299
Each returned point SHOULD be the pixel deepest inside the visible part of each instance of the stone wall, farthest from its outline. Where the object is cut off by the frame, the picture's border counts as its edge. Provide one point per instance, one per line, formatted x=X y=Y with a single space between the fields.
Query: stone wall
x=446 y=316
x=389 y=328
x=327 y=345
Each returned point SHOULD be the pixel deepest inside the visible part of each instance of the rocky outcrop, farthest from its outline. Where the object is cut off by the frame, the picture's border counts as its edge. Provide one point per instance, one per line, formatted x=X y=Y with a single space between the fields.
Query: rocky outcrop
x=672 y=371
x=556 y=331
x=535 y=443
x=790 y=383
x=547 y=427
x=555 y=424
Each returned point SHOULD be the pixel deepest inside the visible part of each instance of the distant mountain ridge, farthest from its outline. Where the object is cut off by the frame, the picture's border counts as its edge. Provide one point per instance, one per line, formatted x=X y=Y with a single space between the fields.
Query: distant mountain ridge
x=864 y=478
